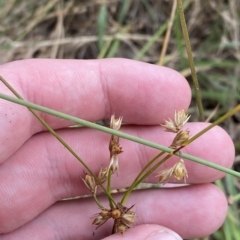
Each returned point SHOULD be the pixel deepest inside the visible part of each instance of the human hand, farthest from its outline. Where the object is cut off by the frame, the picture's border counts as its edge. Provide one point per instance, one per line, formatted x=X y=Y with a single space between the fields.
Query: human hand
x=36 y=171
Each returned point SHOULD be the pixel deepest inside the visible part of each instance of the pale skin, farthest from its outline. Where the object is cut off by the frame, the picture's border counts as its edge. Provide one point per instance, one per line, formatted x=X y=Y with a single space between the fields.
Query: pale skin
x=36 y=171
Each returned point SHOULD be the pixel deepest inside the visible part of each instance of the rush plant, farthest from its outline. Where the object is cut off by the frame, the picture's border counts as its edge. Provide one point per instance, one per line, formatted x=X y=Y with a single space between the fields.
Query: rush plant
x=119 y=212
x=123 y=216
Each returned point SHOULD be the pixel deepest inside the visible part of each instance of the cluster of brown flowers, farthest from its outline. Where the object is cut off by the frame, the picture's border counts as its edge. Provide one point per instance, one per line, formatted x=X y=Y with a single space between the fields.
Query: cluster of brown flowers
x=90 y=182
x=115 y=149
x=123 y=217
x=179 y=170
x=114 y=146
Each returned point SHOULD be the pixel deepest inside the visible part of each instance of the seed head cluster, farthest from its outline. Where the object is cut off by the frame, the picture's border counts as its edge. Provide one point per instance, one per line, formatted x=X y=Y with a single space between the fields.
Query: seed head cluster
x=178 y=171
x=114 y=147
x=180 y=118
x=123 y=218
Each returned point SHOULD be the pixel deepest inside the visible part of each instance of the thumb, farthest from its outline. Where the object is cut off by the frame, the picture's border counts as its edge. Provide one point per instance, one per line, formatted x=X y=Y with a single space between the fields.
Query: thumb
x=146 y=232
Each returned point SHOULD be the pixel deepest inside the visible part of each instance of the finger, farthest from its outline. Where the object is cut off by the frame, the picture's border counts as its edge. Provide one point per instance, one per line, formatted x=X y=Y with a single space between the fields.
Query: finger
x=93 y=90
x=146 y=232
x=193 y=211
x=49 y=172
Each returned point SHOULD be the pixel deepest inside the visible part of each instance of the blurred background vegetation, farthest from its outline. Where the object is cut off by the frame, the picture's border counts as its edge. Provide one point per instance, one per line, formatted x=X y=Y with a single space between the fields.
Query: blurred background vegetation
x=136 y=29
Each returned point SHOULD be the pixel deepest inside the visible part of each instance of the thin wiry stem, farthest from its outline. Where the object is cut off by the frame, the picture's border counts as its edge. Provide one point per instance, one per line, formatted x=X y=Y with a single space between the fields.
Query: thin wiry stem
x=167 y=36
x=128 y=136
x=190 y=58
x=109 y=186
x=46 y=125
x=97 y=202
x=139 y=180
x=134 y=183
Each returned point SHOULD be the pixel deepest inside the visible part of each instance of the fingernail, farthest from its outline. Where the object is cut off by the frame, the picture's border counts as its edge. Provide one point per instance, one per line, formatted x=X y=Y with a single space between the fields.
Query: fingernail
x=164 y=235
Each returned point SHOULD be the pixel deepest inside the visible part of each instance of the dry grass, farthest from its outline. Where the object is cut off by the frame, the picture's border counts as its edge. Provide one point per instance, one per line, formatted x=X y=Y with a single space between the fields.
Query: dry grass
x=87 y=29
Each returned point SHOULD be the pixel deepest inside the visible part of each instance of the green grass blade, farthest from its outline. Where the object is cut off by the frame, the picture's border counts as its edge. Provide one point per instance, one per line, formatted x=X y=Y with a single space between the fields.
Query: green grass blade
x=149 y=44
x=190 y=58
x=123 y=10
x=101 y=25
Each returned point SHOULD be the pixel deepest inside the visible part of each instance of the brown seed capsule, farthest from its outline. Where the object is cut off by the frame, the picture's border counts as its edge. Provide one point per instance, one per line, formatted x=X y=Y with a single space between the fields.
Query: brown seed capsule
x=181 y=138
x=128 y=218
x=99 y=220
x=119 y=226
x=180 y=171
x=116 y=149
x=102 y=175
x=90 y=183
x=101 y=217
x=116 y=213
x=122 y=223
x=123 y=217
x=105 y=213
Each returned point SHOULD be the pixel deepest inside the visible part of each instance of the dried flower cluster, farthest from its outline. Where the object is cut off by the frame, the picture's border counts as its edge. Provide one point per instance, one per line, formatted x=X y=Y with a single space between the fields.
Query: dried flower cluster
x=123 y=218
x=114 y=149
x=90 y=183
x=180 y=118
x=114 y=146
x=179 y=170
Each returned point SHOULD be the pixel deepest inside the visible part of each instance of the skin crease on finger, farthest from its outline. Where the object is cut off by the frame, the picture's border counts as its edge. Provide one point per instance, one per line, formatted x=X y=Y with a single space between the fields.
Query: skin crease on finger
x=45 y=169
x=90 y=89
x=193 y=211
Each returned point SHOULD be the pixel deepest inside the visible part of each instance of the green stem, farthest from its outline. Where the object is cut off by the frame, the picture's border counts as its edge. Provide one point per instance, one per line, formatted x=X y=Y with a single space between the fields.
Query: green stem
x=236 y=198
x=138 y=181
x=97 y=202
x=134 y=183
x=46 y=125
x=126 y=195
x=190 y=58
x=218 y=121
x=127 y=136
x=109 y=186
